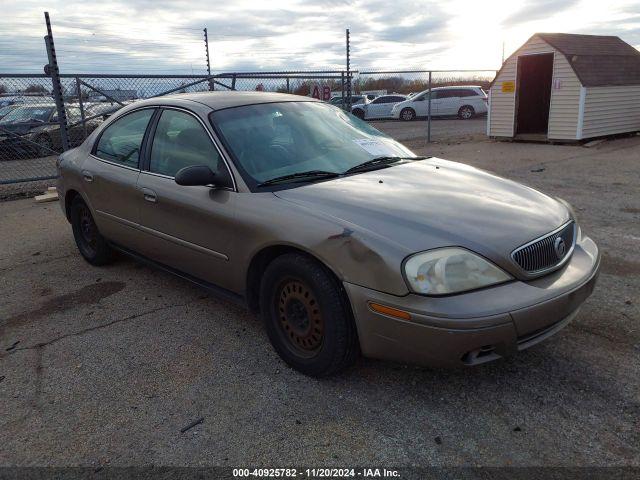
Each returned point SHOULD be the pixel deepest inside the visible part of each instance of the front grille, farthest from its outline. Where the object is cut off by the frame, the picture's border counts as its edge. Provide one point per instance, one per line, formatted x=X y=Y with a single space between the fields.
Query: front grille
x=546 y=253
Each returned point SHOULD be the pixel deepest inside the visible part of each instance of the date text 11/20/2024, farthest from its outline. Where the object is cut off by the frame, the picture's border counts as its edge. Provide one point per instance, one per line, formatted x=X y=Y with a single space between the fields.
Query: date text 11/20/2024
x=315 y=473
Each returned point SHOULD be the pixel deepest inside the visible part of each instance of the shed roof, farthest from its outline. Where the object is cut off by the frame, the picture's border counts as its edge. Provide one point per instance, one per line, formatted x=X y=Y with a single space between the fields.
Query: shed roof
x=597 y=60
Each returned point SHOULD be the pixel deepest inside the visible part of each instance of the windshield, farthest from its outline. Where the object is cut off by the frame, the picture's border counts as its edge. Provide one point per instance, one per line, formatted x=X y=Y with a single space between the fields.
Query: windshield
x=23 y=114
x=275 y=139
x=5 y=110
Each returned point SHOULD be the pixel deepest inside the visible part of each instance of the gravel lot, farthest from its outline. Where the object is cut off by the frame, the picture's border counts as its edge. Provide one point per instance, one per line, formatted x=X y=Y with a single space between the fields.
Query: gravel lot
x=104 y=366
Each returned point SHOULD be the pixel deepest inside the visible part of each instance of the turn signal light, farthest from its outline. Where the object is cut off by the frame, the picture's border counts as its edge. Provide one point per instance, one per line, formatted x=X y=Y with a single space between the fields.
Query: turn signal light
x=392 y=312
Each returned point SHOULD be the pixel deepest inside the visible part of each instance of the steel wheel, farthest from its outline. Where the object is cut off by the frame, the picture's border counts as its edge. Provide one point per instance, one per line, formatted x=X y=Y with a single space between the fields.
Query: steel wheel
x=88 y=230
x=300 y=317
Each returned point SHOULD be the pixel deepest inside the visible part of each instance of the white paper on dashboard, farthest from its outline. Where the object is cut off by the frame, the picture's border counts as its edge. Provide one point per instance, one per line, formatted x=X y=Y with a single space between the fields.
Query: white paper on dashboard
x=374 y=147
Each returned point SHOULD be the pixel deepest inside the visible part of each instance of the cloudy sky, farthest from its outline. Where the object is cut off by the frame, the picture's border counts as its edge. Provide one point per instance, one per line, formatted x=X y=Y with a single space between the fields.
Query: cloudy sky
x=152 y=36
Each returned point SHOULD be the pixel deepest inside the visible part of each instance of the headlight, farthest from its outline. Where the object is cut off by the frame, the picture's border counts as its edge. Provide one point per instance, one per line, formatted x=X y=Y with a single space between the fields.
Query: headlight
x=450 y=270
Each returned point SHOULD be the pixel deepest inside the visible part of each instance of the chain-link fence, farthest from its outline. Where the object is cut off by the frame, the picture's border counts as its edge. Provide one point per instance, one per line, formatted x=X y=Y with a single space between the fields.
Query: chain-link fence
x=29 y=130
x=31 y=134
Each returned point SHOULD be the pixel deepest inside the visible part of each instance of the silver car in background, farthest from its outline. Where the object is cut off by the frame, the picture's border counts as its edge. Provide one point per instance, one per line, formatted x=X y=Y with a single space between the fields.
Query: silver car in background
x=465 y=102
x=378 y=108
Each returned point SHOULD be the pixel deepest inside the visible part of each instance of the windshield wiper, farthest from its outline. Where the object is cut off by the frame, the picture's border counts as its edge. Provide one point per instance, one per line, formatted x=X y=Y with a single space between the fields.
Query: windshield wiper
x=300 y=177
x=379 y=162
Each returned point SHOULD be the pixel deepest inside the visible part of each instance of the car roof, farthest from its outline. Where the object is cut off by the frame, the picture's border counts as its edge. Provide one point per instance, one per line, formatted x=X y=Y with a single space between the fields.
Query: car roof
x=228 y=99
x=40 y=105
x=452 y=87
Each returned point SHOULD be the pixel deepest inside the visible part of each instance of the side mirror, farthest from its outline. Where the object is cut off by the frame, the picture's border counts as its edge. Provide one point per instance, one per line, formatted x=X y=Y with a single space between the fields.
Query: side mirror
x=200 y=175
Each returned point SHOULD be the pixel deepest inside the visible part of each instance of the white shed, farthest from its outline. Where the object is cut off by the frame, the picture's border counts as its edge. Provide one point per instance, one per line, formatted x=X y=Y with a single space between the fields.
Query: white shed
x=566 y=87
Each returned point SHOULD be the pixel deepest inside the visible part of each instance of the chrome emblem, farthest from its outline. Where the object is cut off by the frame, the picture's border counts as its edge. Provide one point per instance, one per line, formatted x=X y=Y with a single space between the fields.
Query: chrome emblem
x=560 y=247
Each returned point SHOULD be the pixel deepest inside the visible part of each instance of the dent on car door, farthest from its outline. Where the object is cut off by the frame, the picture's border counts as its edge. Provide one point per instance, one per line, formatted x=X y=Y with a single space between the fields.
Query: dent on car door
x=110 y=175
x=189 y=228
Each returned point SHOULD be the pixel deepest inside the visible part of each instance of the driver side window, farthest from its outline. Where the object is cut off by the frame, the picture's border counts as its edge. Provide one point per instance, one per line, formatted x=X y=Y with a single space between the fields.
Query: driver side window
x=181 y=141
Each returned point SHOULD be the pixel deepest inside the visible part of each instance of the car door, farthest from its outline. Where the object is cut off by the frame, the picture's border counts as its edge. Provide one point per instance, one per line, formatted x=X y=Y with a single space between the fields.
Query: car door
x=375 y=108
x=110 y=175
x=391 y=100
x=448 y=101
x=188 y=228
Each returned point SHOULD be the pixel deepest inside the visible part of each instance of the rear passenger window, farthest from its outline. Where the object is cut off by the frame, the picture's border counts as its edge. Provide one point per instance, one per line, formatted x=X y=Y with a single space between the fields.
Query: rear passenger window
x=121 y=141
x=468 y=92
x=181 y=141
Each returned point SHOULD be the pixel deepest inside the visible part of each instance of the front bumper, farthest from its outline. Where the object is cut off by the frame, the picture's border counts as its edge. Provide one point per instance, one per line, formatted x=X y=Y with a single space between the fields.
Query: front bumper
x=480 y=326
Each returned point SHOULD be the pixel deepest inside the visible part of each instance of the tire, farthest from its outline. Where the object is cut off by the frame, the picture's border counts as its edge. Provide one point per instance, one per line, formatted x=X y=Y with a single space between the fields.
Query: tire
x=359 y=113
x=407 y=114
x=45 y=146
x=466 y=112
x=307 y=316
x=92 y=246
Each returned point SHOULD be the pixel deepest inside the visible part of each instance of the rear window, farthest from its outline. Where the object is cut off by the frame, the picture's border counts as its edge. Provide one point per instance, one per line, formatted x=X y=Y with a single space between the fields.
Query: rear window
x=122 y=140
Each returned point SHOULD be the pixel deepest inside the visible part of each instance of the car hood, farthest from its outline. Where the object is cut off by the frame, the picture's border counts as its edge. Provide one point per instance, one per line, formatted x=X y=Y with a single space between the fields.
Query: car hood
x=19 y=127
x=436 y=203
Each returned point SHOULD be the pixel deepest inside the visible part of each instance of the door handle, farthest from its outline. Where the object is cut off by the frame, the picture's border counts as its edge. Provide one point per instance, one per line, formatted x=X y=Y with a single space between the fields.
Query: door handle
x=88 y=176
x=149 y=195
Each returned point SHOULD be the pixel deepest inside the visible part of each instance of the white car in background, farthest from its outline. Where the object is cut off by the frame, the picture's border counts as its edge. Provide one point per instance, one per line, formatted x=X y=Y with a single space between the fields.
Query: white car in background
x=464 y=101
x=379 y=107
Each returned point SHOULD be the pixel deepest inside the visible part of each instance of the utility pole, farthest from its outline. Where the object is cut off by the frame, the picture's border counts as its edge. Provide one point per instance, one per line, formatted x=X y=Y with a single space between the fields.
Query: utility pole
x=206 y=46
x=52 y=70
x=503 y=52
x=348 y=74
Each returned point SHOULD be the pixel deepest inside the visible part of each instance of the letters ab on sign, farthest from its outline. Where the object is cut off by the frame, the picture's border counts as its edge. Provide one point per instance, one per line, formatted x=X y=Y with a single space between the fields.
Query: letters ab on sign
x=321 y=92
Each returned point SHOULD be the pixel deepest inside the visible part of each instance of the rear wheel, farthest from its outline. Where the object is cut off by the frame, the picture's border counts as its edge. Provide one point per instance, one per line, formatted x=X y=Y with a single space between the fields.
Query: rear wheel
x=466 y=112
x=92 y=246
x=307 y=316
x=407 y=114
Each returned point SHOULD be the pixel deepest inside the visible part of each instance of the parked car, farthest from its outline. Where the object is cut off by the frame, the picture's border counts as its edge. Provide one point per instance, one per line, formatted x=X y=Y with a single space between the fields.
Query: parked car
x=33 y=129
x=355 y=100
x=5 y=110
x=380 y=107
x=465 y=102
x=342 y=238
x=105 y=109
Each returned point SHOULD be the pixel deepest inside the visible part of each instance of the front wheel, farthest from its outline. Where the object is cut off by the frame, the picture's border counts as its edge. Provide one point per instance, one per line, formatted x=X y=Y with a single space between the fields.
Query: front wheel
x=407 y=114
x=466 y=112
x=359 y=113
x=307 y=316
x=92 y=246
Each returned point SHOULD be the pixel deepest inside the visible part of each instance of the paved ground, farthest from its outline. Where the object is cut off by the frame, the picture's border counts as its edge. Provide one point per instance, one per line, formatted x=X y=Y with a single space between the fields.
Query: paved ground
x=104 y=366
x=442 y=129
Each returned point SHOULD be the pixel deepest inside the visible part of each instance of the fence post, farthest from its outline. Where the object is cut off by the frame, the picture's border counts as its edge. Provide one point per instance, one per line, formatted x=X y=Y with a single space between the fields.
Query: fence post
x=233 y=82
x=429 y=112
x=52 y=70
x=348 y=75
x=342 y=87
x=206 y=46
x=288 y=89
x=81 y=105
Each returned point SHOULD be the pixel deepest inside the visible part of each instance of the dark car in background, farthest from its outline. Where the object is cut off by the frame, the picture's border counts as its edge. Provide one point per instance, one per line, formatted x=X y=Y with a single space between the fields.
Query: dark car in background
x=355 y=99
x=5 y=110
x=104 y=109
x=34 y=130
